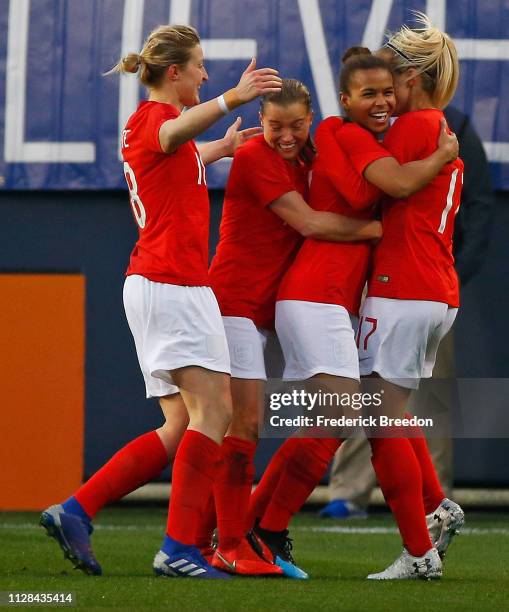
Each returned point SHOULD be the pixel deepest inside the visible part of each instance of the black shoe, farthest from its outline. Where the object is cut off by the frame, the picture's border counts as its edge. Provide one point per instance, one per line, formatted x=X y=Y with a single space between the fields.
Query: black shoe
x=278 y=542
x=280 y=546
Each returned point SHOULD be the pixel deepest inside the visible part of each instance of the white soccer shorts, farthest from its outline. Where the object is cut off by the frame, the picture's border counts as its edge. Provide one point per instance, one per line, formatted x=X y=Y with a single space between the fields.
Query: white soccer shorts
x=316 y=338
x=173 y=327
x=246 y=344
x=398 y=339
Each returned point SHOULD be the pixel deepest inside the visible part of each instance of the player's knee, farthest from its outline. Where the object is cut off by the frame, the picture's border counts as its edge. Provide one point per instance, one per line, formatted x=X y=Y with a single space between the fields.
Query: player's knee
x=251 y=430
x=216 y=409
x=224 y=411
x=245 y=425
x=223 y=399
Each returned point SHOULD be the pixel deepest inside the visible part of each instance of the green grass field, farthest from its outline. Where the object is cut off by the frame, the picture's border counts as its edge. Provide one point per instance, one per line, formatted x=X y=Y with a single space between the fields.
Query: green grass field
x=126 y=539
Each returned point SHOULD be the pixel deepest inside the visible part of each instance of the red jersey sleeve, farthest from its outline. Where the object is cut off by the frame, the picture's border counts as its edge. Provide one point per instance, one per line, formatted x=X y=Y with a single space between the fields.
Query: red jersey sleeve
x=158 y=115
x=409 y=138
x=346 y=178
x=265 y=175
x=360 y=146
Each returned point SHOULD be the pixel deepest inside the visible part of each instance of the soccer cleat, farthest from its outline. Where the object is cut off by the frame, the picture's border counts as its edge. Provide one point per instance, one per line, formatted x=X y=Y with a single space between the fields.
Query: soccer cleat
x=244 y=561
x=444 y=523
x=407 y=567
x=342 y=509
x=259 y=546
x=187 y=562
x=279 y=546
x=73 y=536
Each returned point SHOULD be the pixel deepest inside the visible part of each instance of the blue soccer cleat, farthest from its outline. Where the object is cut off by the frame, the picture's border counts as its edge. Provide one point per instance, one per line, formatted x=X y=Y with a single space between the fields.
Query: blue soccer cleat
x=290 y=570
x=186 y=562
x=73 y=536
x=342 y=509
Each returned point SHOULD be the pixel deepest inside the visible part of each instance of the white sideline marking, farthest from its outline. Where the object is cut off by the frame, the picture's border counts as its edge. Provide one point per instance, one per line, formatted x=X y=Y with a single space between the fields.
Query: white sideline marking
x=387 y=530
x=334 y=529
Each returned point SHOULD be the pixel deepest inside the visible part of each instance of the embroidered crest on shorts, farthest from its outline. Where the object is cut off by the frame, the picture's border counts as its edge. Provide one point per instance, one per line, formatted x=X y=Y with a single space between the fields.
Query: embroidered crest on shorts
x=243 y=354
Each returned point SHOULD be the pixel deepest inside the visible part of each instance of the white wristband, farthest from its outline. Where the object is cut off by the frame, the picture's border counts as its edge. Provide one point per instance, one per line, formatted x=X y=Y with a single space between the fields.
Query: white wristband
x=222 y=104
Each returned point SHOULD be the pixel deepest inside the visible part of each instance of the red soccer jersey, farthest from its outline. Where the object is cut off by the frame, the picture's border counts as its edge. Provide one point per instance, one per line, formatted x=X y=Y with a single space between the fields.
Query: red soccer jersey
x=335 y=272
x=414 y=260
x=169 y=199
x=255 y=245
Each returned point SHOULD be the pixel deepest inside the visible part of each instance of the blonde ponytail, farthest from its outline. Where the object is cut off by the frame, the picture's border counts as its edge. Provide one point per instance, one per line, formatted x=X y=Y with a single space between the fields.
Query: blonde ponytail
x=432 y=53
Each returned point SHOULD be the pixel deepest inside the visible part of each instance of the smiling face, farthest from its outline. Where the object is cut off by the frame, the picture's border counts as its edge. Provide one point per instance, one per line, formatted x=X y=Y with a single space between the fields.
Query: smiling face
x=370 y=100
x=286 y=128
x=190 y=77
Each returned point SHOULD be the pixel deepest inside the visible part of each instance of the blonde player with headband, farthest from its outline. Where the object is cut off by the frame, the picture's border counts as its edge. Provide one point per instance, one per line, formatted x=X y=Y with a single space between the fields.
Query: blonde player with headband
x=413 y=293
x=170 y=307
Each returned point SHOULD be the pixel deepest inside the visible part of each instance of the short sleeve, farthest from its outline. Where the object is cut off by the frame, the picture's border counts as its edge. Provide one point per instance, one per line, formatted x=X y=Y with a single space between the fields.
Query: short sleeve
x=263 y=173
x=360 y=146
x=157 y=116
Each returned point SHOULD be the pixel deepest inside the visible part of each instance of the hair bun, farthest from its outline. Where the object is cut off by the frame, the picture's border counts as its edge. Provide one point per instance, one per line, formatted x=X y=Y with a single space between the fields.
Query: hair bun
x=353 y=51
x=131 y=62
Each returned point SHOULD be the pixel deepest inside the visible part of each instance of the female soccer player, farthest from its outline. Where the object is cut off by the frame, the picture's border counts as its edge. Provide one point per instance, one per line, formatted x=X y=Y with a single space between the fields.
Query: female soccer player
x=170 y=307
x=413 y=292
x=264 y=218
x=325 y=345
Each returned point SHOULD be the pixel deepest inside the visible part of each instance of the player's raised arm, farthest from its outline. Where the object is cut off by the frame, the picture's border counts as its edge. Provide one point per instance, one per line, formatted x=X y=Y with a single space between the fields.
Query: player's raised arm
x=226 y=146
x=253 y=83
x=171 y=66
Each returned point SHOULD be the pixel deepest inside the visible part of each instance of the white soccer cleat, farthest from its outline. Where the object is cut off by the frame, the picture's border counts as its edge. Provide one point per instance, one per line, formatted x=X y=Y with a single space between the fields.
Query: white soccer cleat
x=407 y=567
x=444 y=523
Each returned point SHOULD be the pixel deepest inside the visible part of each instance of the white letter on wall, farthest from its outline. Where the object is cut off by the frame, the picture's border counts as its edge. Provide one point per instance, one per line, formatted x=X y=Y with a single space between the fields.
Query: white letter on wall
x=131 y=42
x=319 y=57
x=15 y=147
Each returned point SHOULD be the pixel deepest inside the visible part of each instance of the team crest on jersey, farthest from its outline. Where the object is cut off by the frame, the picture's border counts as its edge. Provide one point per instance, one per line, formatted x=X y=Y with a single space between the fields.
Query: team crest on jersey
x=383 y=278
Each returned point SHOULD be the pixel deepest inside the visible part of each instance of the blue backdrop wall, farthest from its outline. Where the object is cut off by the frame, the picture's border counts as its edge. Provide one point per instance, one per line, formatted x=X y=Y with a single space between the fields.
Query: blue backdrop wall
x=62 y=118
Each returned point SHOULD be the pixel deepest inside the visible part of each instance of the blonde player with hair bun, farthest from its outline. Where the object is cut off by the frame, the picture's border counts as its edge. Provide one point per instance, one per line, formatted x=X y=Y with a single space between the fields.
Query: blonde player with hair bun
x=170 y=307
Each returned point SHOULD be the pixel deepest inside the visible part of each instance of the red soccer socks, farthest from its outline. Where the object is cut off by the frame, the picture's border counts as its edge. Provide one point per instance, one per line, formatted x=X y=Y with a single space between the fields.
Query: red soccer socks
x=399 y=476
x=232 y=490
x=132 y=466
x=305 y=466
x=432 y=491
x=194 y=470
